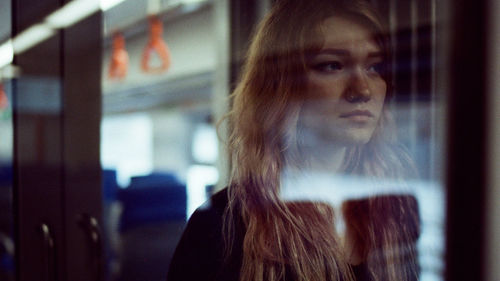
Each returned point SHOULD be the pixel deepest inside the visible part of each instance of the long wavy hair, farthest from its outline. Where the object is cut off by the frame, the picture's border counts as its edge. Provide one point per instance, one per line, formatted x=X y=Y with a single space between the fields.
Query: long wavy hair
x=297 y=240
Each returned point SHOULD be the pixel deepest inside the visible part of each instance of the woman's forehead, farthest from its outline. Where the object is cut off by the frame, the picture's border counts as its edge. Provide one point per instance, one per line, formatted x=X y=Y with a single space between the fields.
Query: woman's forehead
x=345 y=33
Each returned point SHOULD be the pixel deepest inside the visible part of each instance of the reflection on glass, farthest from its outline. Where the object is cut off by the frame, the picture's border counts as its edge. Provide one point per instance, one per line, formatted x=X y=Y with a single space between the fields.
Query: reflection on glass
x=7 y=265
x=321 y=187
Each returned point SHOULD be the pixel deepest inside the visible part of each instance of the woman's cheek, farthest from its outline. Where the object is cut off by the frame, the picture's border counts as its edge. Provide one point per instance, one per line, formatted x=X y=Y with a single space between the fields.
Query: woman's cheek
x=325 y=86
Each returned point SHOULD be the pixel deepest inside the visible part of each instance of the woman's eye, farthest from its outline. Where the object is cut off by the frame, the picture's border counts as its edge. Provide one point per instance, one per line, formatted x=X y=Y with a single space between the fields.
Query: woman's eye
x=377 y=68
x=329 y=66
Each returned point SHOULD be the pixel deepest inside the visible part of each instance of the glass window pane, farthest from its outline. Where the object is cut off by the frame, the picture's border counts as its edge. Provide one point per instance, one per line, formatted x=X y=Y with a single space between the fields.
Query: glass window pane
x=159 y=146
x=7 y=247
x=336 y=129
x=336 y=145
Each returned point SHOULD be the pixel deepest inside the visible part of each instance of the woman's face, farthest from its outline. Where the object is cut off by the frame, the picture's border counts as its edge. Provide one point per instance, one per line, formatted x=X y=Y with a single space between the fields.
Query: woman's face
x=345 y=90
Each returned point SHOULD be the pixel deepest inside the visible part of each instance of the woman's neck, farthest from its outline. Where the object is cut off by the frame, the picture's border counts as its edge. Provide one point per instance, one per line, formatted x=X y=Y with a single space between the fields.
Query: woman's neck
x=325 y=158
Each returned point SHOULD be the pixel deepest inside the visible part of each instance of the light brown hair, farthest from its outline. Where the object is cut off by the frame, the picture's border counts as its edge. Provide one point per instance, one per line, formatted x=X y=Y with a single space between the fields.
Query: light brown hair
x=297 y=240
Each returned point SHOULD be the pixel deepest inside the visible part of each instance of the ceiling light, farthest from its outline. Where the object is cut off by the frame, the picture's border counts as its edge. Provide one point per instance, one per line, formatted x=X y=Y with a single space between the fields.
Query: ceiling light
x=108 y=4
x=72 y=13
x=6 y=54
x=31 y=37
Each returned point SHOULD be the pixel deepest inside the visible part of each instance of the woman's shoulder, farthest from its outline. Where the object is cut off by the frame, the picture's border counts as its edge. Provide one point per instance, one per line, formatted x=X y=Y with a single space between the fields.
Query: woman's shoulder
x=215 y=205
x=210 y=214
x=205 y=224
x=200 y=252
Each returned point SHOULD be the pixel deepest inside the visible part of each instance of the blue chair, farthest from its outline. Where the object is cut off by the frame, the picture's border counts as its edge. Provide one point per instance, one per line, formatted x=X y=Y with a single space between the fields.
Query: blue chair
x=151 y=224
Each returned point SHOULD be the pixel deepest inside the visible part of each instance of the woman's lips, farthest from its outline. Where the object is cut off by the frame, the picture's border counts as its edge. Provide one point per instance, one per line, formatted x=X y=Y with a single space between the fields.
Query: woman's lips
x=357 y=115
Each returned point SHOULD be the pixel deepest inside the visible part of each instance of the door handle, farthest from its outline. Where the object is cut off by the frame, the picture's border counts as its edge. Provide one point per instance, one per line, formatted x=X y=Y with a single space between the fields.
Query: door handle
x=90 y=226
x=49 y=254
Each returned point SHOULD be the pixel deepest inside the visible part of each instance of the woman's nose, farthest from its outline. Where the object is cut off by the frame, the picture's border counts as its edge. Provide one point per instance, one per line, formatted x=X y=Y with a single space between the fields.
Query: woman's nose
x=358 y=90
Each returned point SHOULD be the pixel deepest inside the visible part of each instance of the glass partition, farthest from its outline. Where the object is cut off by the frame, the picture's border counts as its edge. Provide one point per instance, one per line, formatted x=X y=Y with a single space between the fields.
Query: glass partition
x=7 y=247
x=265 y=140
x=160 y=147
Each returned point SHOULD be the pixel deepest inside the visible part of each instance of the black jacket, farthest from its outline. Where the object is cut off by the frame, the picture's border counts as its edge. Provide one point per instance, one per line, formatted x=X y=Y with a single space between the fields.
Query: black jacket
x=199 y=256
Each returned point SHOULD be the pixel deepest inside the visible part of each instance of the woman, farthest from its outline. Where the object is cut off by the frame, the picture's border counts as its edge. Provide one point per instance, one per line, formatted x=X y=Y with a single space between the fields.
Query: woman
x=317 y=76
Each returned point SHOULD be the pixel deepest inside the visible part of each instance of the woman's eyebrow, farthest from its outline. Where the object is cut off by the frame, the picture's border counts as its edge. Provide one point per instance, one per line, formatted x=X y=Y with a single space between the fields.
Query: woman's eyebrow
x=346 y=53
x=331 y=51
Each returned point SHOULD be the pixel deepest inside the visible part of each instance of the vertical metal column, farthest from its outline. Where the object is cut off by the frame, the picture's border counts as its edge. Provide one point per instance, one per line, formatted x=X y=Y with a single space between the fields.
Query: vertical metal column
x=467 y=140
x=221 y=86
x=81 y=122
x=38 y=160
x=493 y=192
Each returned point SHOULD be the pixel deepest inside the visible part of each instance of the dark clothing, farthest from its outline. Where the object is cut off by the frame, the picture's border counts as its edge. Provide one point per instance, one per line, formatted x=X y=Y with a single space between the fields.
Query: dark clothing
x=200 y=253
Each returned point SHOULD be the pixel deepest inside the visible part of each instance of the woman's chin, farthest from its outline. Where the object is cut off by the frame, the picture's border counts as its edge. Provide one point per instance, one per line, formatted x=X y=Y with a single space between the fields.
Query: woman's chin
x=352 y=136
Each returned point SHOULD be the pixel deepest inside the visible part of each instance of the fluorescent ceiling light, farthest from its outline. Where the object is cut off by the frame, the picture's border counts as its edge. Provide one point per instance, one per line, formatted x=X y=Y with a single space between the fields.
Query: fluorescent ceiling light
x=66 y=16
x=154 y=7
x=185 y=2
x=108 y=4
x=78 y=10
x=9 y=72
x=31 y=37
x=6 y=53
x=191 y=1
x=72 y=13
